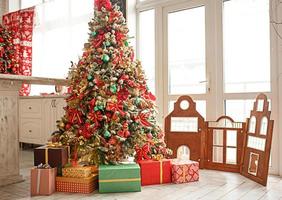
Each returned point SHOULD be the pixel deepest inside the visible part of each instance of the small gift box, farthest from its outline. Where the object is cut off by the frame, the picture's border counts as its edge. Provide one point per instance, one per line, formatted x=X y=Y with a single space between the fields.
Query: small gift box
x=54 y=156
x=42 y=181
x=119 y=178
x=77 y=172
x=77 y=185
x=184 y=171
x=155 y=172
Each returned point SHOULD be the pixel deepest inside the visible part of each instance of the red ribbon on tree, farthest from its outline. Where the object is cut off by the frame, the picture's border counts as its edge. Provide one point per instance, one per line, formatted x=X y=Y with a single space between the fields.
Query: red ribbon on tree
x=142 y=153
x=143 y=119
x=103 y=3
x=115 y=107
x=150 y=96
x=95 y=117
x=75 y=116
x=92 y=104
x=99 y=40
x=120 y=37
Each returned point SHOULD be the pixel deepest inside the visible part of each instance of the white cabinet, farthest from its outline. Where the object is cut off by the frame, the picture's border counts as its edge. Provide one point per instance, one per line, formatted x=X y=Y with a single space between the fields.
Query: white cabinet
x=38 y=118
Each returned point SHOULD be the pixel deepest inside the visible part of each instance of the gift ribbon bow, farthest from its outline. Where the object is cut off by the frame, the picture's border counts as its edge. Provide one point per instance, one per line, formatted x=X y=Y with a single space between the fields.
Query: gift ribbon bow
x=54 y=144
x=142 y=153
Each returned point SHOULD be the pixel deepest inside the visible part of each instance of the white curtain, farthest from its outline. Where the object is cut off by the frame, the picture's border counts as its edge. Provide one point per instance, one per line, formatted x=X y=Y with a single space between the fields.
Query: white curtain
x=61 y=29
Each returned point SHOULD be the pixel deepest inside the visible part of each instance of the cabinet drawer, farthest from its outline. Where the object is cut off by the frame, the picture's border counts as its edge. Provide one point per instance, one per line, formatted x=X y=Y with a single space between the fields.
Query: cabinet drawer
x=30 y=108
x=30 y=129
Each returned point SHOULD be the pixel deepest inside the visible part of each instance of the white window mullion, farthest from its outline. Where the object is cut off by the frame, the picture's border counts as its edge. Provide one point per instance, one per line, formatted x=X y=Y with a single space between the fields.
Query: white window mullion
x=159 y=62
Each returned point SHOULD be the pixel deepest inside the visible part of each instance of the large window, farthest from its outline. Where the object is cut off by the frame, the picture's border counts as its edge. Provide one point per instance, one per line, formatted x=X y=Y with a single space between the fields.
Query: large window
x=186 y=51
x=61 y=29
x=147 y=45
x=246 y=46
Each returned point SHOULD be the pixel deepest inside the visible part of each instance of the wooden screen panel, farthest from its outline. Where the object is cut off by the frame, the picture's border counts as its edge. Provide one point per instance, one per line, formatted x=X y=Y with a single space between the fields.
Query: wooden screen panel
x=185 y=126
x=257 y=142
x=224 y=144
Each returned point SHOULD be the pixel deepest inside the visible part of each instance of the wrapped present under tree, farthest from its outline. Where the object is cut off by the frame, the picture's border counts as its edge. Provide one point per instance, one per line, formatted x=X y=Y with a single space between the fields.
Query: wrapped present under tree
x=77 y=185
x=42 y=180
x=184 y=171
x=54 y=156
x=119 y=178
x=155 y=172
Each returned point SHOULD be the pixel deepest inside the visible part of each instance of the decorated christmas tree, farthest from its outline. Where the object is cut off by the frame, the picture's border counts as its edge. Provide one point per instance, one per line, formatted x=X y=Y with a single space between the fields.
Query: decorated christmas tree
x=7 y=63
x=110 y=114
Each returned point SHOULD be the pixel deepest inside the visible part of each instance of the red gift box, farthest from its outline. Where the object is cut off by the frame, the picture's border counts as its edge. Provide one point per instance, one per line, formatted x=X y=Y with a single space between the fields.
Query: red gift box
x=155 y=172
x=185 y=171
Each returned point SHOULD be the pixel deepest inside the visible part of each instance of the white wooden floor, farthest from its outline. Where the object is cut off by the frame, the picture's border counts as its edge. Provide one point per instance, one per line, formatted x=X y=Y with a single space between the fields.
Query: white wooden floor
x=212 y=185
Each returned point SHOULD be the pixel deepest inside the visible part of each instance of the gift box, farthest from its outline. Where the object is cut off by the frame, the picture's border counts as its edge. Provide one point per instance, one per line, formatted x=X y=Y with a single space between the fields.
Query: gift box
x=42 y=181
x=54 y=156
x=77 y=172
x=77 y=185
x=185 y=171
x=119 y=178
x=155 y=172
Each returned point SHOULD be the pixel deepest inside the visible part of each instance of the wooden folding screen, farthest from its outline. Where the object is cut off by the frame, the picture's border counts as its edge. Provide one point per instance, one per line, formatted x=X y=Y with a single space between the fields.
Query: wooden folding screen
x=224 y=144
x=184 y=126
x=257 y=142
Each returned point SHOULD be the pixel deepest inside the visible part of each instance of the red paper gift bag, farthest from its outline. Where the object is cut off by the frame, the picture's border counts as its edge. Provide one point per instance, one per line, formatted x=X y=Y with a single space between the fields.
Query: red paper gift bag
x=42 y=181
x=155 y=172
x=185 y=171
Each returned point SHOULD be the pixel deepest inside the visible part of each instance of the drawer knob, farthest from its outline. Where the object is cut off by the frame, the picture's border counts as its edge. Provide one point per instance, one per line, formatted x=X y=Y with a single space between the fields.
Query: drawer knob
x=29 y=108
x=30 y=131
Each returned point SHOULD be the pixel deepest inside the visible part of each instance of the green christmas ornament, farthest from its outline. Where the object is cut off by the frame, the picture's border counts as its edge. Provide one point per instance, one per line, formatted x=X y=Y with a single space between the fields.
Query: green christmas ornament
x=126 y=43
x=108 y=43
x=107 y=134
x=113 y=89
x=98 y=107
x=137 y=101
x=90 y=77
x=94 y=33
x=105 y=58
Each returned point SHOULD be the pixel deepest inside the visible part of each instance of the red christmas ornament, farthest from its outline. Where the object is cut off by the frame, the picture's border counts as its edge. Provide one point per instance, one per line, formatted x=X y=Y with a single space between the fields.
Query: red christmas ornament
x=68 y=126
x=122 y=94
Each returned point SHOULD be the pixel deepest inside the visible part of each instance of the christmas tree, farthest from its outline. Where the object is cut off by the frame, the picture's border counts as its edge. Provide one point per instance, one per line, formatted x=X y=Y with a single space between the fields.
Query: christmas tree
x=7 y=63
x=110 y=114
